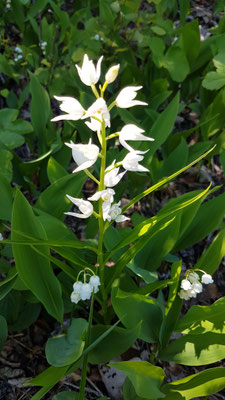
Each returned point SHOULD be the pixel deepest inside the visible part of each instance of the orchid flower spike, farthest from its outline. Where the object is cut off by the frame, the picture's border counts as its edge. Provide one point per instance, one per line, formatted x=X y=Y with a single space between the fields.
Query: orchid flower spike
x=85 y=207
x=115 y=214
x=85 y=155
x=88 y=74
x=125 y=98
x=107 y=197
x=72 y=107
x=111 y=175
x=98 y=110
x=132 y=132
x=130 y=162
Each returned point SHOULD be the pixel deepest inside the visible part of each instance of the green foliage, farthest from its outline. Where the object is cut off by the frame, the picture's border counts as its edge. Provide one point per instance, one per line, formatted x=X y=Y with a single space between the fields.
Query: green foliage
x=178 y=79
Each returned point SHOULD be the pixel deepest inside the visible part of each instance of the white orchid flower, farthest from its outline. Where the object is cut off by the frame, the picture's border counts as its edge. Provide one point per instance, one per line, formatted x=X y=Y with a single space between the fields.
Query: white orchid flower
x=130 y=162
x=132 y=132
x=125 y=98
x=88 y=74
x=112 y=73
x=85 y=155
x=115 y=213
x=85 y=207
x=107 y=197
x=112 y=177
x=72 y=107
x=98 y=110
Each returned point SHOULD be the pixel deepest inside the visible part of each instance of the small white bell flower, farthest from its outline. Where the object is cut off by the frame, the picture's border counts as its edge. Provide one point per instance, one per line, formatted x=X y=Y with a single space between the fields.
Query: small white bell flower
x=183 y=294
x=86 y=291
x=112 y=73
x=197 y=287
x=112 y=177
x=125 y=98
x=71 y=106
x=193 y=277
x=88 y=74
x=206 y=279
x=77 y=286
x=115 y=214
x=85 y=207
x=130 y=162
x=185 y=284
x=75 y=297
x=98 y=110
x=132 y=132
x=85 y=155
x=95 y=283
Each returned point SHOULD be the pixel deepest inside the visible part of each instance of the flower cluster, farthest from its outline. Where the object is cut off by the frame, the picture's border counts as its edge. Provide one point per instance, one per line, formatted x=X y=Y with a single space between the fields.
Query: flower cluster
x=85 y=155
x=18 y=54
x=43 y=46
x=83 y=290
x=191 y=285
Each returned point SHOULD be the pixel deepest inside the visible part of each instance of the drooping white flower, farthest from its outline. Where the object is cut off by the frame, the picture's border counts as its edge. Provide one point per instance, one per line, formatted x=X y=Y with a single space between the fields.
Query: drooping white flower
x=115 y=214
x=192 y=293
x=132 y=132
x=112 y=177
x=125 y=98
x=88 y=73
x=184 y=294
x=85 y=155
x=77 y=286
x=98 y=110
x=193 y=277
x=112 y=73
x=185 y=284
x=71 y=106
x=107 y=197
x=197 y=287
x=95 y=283
x=85 y=207
x=207 y=278
x=75 y=297
x=1 y=237
x=130 y=162
x=86 y=291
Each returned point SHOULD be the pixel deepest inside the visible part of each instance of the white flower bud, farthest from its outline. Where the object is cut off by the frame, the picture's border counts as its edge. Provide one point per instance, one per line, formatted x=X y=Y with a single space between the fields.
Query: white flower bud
x=112 y=73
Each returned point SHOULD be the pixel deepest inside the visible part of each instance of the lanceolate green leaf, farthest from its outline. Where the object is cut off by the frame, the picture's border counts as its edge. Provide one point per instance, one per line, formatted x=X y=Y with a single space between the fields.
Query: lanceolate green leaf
x=201 y=319
x=201 y=349
x=3 y=331
x=206 y=220
x=34 y=270
x=54 y=201
x=202 y=384
x=212 y=257
x=164 y=181
x=145 y=377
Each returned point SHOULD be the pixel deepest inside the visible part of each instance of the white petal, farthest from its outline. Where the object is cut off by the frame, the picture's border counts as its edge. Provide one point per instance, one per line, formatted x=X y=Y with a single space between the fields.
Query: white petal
x=121 y=218
x=206 y=279
x=185 y=284
x=106 y=205
x=96 y=196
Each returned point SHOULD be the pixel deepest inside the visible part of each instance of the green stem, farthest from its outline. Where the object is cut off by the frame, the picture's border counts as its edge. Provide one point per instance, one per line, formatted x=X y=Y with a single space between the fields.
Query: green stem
x=85 y=359
x=94 y=90
x=101 y=221
x=88 y=173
